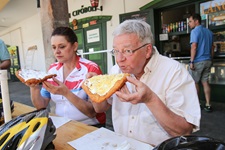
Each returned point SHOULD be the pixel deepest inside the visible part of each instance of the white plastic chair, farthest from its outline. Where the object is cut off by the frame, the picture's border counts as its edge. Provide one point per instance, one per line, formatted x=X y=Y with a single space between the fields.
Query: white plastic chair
x=30 y=57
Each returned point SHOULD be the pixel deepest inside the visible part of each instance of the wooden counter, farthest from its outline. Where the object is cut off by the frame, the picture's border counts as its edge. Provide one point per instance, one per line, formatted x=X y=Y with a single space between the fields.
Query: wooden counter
x=68 y=132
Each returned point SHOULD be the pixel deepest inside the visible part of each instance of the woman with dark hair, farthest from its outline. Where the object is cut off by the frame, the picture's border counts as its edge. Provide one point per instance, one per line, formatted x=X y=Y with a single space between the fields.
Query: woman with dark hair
x=65 y=89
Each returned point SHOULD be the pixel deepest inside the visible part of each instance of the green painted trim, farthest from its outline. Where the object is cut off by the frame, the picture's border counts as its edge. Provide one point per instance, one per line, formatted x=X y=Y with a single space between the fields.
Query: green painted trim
x=99 y=18
x=164 y=3
x=82 y=21
x=153 y=2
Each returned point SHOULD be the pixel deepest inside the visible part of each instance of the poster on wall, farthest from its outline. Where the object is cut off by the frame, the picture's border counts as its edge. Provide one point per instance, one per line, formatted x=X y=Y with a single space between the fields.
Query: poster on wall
x=14 y=55
x=214 y=11
x=93 y=36
x=15 y=62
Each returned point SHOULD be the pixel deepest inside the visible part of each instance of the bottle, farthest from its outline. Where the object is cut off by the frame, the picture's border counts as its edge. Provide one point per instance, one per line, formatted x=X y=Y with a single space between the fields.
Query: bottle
x=171 y=27
x=185 y=26
x=166 y=29
x=182 y=26
x=174 y=27
x=179 y=26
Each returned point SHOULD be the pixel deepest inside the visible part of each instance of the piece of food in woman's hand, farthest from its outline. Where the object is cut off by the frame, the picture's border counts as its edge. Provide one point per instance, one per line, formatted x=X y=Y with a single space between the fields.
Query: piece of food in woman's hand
x=33 y=76
x=101 y=87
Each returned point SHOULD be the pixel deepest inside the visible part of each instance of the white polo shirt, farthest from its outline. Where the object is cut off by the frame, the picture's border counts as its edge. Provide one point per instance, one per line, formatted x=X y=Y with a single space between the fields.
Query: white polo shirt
x=173 y=85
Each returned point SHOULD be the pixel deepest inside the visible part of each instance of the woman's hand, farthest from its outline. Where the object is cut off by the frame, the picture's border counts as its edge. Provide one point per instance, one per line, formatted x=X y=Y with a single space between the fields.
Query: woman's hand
x=61 y=89
x=33 y=86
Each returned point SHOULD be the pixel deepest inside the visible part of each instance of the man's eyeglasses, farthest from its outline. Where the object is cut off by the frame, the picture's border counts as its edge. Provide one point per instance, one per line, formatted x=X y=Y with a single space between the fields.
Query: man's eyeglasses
x=128 y=52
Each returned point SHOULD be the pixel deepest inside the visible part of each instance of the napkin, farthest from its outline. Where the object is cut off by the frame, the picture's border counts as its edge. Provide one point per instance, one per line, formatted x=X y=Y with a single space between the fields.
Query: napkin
x=104 y=139
x=59 y=121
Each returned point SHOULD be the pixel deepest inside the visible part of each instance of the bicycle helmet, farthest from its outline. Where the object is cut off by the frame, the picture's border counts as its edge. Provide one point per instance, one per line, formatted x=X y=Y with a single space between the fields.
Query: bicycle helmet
x=30 y=131
x=191 y=143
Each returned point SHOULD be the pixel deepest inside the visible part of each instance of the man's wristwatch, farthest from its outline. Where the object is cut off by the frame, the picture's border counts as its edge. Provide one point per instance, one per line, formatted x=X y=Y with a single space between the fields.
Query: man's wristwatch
x=191 y=62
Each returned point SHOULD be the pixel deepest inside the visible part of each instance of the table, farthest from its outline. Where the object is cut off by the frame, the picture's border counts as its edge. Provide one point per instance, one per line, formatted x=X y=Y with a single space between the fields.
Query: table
x=68 y=132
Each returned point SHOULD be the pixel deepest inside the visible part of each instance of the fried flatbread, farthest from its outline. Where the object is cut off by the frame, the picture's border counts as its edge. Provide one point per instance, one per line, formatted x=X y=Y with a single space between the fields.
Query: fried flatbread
x=101 y=87
x=33 y=76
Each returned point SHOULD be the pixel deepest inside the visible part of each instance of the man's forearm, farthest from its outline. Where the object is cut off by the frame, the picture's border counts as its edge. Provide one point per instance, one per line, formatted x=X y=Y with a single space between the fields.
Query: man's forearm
x=172 y=123
x=193 y=51
x=5 y=64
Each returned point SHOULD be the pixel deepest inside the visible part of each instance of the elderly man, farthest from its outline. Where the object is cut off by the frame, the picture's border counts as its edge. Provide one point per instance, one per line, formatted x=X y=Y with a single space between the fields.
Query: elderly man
x=160 y=100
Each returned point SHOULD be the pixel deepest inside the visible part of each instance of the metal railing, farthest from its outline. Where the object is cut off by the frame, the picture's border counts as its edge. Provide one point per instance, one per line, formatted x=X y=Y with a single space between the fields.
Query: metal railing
x=80 y=52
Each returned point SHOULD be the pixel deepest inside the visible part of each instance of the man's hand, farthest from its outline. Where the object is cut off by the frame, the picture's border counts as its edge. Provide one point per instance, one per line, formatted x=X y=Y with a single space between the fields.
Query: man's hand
x=143 y=93
x=192 y=67
x=91 y=74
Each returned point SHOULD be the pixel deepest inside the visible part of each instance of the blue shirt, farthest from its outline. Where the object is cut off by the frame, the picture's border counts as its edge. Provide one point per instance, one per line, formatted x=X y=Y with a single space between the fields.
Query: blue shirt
x=4 y=53
x=204 y=38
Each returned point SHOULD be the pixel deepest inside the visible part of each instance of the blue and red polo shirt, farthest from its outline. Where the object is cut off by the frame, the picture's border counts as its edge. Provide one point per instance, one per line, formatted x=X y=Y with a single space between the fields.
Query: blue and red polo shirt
x=73 y=81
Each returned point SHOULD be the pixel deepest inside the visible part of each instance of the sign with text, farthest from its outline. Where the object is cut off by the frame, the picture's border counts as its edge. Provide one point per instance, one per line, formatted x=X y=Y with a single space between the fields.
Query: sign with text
x=214 y=11
x=93 y=36
x=163 y=37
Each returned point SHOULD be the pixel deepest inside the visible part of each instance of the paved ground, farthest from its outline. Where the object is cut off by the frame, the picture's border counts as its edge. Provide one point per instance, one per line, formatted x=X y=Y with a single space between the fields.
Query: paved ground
x=212 y=124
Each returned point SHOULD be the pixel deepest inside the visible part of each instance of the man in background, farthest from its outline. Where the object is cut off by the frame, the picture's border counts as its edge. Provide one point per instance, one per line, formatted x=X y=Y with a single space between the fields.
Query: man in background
x=5 y=62
x=201 y=40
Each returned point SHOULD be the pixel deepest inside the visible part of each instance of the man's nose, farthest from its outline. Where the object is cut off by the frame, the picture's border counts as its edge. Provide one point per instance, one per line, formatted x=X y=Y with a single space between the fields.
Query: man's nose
x=120 y=56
